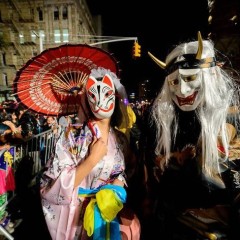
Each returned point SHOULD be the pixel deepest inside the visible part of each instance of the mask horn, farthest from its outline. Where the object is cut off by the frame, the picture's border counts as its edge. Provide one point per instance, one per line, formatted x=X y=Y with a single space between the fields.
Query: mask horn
x=160 y=63
x=200 y=46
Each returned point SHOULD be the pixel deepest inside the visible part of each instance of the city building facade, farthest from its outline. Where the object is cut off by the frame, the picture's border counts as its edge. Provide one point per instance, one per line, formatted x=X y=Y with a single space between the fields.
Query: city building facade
x=29 y=27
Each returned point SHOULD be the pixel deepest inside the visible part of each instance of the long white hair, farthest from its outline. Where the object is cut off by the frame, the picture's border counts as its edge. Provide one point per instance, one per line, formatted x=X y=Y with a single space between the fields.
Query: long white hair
x=219 y=91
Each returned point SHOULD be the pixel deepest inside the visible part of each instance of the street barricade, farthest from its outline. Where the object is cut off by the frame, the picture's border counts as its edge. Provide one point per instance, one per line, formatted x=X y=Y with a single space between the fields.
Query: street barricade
x=21 y=163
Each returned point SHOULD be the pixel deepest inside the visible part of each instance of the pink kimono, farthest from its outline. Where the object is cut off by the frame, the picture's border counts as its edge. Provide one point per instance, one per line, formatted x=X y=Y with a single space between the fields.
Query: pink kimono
x=62 y=208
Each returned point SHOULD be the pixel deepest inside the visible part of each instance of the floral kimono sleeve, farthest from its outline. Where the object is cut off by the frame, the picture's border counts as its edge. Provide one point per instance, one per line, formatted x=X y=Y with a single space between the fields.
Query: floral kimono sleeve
x=58 y=180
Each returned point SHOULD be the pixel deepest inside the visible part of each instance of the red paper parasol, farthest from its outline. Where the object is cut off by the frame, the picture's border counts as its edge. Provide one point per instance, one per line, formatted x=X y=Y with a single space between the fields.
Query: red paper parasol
x=51 y=83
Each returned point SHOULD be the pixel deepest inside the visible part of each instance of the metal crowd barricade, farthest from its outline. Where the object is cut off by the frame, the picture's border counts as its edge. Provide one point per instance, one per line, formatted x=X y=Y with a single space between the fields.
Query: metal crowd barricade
x=40 y=147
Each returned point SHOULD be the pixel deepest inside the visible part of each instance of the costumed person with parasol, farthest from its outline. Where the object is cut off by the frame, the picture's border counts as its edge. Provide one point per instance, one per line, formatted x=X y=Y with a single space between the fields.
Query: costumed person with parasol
x=193 y=184
x=83 y=186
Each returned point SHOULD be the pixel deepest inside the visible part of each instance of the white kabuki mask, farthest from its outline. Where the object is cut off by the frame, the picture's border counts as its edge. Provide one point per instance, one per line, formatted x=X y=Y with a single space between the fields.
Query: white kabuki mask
x=184 y=66
x=101 y=96
x=185 y=87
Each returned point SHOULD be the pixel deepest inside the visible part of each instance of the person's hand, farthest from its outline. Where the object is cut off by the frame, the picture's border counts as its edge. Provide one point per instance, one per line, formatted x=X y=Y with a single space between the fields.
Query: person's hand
x=5 y=147
x=11 y=125
x=98 y=149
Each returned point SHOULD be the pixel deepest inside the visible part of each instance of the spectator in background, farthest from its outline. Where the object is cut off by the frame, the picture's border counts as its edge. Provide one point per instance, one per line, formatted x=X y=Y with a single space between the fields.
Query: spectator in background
x=2 y=114
x=5 y=136
x=26 y=129
x=29 y=125
x=51 y=123
x=41 y=121
x=11 y=116
x=19 y=111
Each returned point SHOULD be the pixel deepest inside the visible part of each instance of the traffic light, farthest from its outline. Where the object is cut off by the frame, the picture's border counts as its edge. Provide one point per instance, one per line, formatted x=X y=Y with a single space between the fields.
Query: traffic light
x=136 y=50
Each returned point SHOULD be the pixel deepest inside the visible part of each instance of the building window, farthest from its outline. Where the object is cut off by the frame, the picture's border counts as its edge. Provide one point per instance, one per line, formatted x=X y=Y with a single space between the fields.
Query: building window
x=40 y=14
x=65 y=13
x=65 y=35
x=33 y=37
x=57 y=36
x=56 y=13
x=4 y=59
x=42 y=35
x=21 y=38
x=5 y=79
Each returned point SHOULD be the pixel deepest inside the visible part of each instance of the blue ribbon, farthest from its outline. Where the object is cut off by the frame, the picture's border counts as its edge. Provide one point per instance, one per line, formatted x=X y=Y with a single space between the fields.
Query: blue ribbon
x=100 y=225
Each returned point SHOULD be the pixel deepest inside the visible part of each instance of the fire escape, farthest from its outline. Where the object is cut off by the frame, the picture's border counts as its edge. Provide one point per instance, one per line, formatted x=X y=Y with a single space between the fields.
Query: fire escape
x=20 y=24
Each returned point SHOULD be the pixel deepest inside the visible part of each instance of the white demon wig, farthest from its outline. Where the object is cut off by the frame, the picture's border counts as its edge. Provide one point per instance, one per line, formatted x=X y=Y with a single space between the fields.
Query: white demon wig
x=220 y=92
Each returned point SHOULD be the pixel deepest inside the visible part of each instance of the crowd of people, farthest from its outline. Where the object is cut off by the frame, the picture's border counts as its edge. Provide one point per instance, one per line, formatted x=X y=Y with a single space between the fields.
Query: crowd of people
x=168 y=171
x=18 y=129
x=19 y=124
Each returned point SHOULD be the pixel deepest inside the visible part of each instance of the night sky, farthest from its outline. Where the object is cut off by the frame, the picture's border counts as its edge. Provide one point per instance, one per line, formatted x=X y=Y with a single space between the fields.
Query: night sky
x=159 y=26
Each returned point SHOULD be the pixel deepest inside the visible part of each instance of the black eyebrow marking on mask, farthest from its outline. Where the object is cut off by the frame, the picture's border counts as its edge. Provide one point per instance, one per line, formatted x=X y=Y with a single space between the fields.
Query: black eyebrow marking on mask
x=98 y=89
